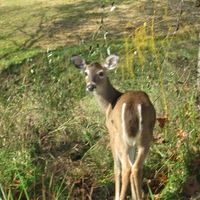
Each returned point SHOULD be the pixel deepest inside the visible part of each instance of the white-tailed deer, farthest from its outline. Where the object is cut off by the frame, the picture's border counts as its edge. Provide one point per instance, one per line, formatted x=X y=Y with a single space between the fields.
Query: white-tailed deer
x=130 y=119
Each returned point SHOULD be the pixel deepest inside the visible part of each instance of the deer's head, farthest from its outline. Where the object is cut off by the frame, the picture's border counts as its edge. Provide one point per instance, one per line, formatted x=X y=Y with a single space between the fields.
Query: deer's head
x=96 y=73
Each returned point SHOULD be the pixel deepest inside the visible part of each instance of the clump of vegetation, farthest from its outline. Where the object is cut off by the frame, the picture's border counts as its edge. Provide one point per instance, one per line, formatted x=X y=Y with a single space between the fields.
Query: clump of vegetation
x=54 y=144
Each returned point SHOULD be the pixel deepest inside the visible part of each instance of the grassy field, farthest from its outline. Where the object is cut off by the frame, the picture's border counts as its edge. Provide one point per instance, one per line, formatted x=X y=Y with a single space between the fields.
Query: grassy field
x=53 y=139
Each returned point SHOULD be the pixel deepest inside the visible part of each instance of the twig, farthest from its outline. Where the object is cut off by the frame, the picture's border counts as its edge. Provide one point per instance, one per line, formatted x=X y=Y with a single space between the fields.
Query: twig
x=198 y=69
x=198 y=83
x=179 y=18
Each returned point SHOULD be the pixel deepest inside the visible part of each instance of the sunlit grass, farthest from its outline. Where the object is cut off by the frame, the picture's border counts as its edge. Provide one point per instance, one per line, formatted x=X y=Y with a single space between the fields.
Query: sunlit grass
x=54 y=143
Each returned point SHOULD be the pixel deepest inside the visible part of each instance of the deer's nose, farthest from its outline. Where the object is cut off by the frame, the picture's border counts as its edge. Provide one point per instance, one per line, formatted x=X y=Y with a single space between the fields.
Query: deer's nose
x=91 y=87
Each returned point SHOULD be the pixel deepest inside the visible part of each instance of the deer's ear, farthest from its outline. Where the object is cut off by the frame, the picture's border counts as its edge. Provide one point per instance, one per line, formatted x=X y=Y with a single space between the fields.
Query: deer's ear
x=111 y=61
x=79 y=62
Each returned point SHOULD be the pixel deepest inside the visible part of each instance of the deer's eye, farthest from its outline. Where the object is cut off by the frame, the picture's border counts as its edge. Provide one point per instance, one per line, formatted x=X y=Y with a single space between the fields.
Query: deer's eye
x=101 y=74
x=86 y=73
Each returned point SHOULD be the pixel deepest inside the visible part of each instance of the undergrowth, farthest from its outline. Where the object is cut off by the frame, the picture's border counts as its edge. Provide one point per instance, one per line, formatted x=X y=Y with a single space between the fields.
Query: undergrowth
x=54 y=144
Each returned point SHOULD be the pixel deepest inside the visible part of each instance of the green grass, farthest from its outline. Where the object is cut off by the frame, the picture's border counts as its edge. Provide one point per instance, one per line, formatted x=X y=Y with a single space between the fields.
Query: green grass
x=53 y=140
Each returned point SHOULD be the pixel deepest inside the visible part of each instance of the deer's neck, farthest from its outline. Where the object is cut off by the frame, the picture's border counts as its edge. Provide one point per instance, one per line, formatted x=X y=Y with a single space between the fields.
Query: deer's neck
x=107 y=96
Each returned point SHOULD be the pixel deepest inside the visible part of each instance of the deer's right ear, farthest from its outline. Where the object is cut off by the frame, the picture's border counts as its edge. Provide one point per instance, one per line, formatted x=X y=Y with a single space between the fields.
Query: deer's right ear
x=79 y=62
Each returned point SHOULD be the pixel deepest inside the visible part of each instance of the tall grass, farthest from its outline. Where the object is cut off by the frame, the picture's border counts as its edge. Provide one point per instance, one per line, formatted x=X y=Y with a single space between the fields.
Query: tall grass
x=156 y=61
x=54 y=143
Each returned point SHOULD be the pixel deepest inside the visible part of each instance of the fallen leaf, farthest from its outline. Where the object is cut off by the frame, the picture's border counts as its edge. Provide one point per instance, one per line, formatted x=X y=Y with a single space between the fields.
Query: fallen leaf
x=182 y=83
x=162 y=121
x=176 y=89
x=157 y=182
x=190 y=187
x=159 y=138
x=186 y=89
x=182 y=134
x=195 y=148
x=161 y=177
x=16 y=181
x=156 y=196
x=186 y=106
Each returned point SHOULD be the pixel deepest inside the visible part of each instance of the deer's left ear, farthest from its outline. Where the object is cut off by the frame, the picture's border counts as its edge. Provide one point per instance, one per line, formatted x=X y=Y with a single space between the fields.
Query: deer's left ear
x=79 y=62
x=111 y=61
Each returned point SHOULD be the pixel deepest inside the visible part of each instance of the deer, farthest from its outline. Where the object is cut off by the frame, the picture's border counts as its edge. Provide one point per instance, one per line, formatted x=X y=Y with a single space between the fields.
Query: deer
x=130 y=120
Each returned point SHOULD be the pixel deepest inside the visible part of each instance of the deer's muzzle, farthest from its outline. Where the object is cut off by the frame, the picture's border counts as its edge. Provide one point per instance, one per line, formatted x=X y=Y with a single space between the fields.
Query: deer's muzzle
x=91 y=87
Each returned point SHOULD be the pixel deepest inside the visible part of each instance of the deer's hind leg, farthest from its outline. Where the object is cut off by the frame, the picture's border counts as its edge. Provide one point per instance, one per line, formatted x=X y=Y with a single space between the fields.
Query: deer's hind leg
x=127 y=163
x=136 y=175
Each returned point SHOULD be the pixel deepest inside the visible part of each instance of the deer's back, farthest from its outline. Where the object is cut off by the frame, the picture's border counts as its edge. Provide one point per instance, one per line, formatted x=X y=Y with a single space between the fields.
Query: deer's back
x=131 y=114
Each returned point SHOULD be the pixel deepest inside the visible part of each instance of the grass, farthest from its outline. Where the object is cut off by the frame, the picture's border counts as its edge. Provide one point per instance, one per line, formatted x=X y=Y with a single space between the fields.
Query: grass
x=54 y=144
